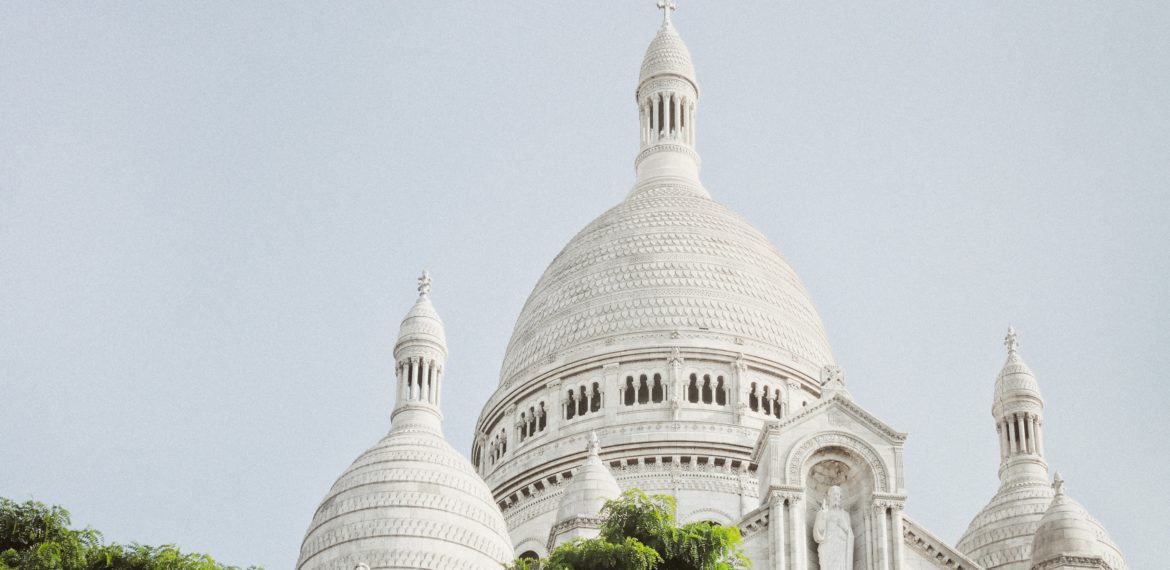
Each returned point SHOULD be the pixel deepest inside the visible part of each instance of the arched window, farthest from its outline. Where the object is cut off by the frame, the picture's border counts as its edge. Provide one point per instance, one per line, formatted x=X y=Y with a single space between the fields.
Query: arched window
x=541 y=421
x=776 y=404
x=643 y=390
x=582 y=402
x=720 y=393
x=529 y=555
x=523 y=426
x=767 y=402
x=693 y=389
x=658 y=394
x=754 y=399
x=706 y=389
x=571 y=405
x=595 y=401
x=629 y=391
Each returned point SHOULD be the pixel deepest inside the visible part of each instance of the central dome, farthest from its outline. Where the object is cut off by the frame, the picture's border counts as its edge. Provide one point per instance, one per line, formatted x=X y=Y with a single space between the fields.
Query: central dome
x=666 y=260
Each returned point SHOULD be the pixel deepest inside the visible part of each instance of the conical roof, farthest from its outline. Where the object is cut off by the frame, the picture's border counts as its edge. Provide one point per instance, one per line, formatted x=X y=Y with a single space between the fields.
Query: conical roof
x=667 y=55
x=592 y=485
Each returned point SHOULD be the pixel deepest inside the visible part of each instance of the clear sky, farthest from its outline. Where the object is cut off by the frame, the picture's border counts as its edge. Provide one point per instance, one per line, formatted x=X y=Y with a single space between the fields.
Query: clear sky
x=212 y=215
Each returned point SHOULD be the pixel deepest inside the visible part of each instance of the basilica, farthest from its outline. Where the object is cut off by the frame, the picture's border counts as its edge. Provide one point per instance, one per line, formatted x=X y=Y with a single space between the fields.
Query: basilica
x=670 y=347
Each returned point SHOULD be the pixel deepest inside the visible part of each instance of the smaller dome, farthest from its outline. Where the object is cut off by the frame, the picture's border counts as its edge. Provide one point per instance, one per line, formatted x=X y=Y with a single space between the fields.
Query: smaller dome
x=1015 y=381
x=1067 y=529
x=421 y=327
x=592 y=485
x=668 y=55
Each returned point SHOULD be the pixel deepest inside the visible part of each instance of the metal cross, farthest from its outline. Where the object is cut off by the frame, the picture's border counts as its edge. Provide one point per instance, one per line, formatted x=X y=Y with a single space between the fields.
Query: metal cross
x=666 y=6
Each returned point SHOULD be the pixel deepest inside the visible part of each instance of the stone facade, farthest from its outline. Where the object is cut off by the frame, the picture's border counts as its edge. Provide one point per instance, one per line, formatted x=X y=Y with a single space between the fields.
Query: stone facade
x=670 y=347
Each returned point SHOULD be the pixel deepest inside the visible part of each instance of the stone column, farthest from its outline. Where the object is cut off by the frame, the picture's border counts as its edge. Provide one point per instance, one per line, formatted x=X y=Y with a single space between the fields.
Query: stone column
x=799 y=533
x=1039 y=438
x=898 y=544
x=609 y=395
x=555 y=411
x=737 y=398
x=511 y=438
x=677 y=390
x=883 y=537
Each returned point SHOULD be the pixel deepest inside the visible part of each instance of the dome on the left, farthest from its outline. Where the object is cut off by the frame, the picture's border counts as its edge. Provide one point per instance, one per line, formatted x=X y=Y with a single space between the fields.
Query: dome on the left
x=411 y=500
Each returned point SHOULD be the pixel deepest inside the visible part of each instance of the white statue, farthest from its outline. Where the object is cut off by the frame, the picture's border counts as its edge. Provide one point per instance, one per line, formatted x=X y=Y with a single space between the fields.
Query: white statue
x=834 y=534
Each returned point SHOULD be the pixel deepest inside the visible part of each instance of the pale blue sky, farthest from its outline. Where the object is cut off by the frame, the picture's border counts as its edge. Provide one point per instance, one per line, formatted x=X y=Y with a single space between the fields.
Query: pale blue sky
x=212 y=215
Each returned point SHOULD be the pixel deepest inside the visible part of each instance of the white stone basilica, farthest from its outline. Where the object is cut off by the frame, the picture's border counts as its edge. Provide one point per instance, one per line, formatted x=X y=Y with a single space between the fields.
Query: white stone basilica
x=671 y=348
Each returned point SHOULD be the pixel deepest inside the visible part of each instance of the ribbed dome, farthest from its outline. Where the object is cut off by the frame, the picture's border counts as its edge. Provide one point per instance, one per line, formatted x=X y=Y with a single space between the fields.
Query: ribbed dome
x=1067 y=529
x=592 y=485
x=667 y=55
x=664 y=260
x=1000 y=536
x=411 y=501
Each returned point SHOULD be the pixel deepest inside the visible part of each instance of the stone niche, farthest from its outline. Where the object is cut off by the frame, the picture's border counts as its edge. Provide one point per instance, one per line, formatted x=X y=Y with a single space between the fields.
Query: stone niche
x=841 y=467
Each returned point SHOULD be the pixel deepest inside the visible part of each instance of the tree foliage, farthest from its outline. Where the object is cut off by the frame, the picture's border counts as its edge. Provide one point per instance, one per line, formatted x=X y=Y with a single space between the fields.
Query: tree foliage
x=34 y=536
x=638 y=532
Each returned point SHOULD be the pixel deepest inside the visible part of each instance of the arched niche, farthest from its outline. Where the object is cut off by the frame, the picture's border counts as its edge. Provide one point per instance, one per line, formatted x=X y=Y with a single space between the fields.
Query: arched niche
x=854 y=474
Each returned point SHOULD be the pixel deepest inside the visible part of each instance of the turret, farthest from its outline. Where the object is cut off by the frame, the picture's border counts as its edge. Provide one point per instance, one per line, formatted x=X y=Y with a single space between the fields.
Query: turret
x=578 y=513
x=1070 y=539
x=420 y=355
x=1018 y=409
x=667 y=99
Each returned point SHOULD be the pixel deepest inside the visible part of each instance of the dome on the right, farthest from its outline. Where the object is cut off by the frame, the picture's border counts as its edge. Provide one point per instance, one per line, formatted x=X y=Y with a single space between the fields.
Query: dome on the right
x=1069 y=536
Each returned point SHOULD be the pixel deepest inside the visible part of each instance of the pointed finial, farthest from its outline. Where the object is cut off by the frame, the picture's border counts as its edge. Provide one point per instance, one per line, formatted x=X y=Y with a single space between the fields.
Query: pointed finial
x=1058 y=484
x=1010 y=341
x=667 y=7
x=594 y=446
x=424 y=284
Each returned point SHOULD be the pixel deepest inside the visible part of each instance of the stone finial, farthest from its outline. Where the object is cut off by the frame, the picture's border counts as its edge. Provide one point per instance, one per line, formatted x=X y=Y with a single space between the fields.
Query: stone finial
x=594 y=446
x=1058 y=484
x=1010 y=341
x=833 y=382
x=424 y=284
x=667 y=7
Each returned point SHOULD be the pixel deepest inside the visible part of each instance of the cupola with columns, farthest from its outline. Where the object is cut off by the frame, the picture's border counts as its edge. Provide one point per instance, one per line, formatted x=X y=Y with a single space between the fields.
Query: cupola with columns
x=420 y=355
x=667 y=98
x=1018 y=409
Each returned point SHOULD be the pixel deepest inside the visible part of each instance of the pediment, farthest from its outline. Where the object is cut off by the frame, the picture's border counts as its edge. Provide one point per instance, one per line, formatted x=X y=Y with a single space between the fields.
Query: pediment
x=842 y=410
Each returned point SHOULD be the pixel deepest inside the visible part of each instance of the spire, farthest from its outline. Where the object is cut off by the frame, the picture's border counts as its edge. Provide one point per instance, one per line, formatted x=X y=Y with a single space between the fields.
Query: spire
x=1018 y=409
x=667 y=99
x=420 y=356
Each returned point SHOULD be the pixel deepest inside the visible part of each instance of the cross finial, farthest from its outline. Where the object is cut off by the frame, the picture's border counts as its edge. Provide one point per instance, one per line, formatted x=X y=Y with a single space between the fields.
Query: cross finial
x=666 y=6
x=1010 y=341
x=594 y=446
x=424 y=284
x=1058 y=484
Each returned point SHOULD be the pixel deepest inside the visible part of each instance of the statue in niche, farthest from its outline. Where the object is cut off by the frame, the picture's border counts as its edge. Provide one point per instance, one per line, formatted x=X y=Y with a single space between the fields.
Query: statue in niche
x=833 y=532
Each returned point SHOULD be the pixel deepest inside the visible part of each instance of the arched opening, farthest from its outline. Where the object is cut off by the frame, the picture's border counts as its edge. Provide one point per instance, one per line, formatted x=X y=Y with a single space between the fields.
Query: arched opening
x=754 y=399
x=571 y=405
x=528 y=555
x=643 y=390
x=659 y=393
x=693 y=390
x=844 y=468
x=720 y=393
x=595 y=400
x=629 y=391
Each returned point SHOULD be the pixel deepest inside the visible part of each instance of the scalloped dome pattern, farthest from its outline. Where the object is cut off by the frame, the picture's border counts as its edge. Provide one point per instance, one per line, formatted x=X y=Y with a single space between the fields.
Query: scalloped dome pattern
x=662 y=261
x=667 y=55
x=1000 y=536
x=411 y=501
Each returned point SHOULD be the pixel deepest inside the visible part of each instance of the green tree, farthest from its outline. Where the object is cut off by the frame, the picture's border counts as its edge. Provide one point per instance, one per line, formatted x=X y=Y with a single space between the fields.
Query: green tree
x=34 y=536
x=638 y=532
